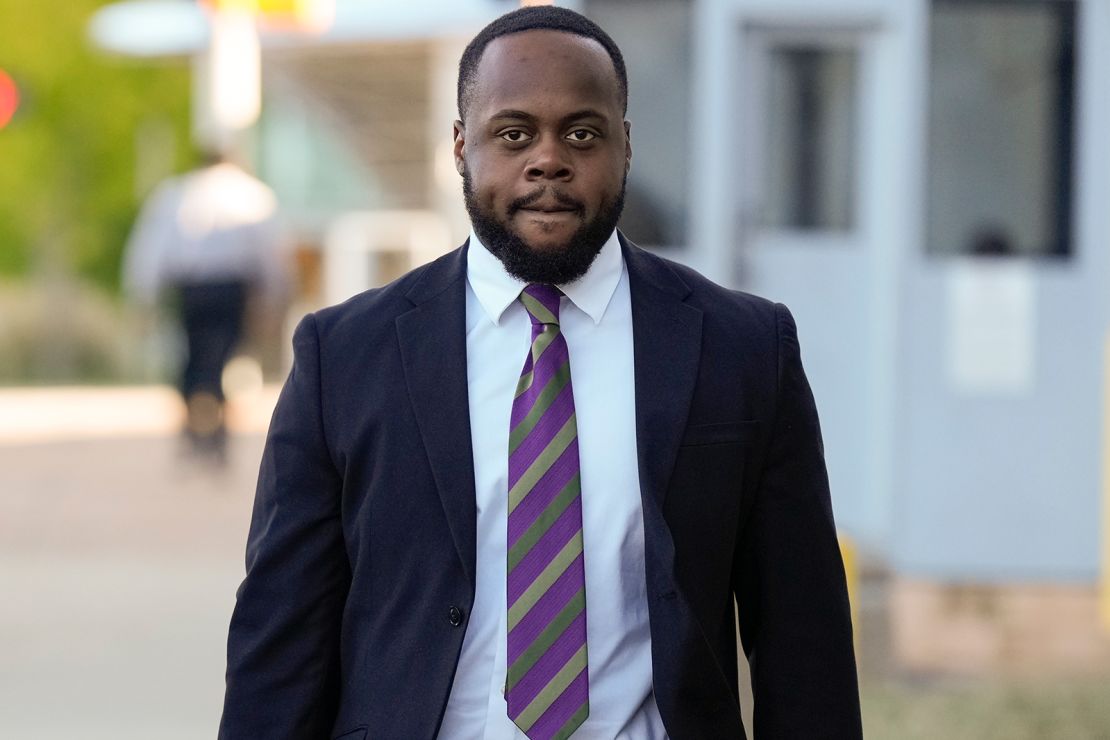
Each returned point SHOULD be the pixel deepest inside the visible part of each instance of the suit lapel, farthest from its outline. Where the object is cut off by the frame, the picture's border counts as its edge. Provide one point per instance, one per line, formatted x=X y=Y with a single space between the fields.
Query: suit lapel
x=666 y=336
x=433 y=352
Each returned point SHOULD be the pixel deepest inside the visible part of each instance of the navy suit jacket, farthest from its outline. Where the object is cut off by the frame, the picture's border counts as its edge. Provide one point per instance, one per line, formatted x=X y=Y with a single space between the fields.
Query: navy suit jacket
x=361 y=553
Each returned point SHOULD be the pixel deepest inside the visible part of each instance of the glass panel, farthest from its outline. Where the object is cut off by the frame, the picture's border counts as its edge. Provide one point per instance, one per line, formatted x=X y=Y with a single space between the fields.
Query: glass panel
x=811 y=137
x=1000 y=127
x=654 y=37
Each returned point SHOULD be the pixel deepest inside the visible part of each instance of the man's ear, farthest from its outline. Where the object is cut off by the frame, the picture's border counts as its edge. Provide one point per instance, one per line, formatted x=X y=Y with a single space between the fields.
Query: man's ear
x=459 y=135
x=627 y=146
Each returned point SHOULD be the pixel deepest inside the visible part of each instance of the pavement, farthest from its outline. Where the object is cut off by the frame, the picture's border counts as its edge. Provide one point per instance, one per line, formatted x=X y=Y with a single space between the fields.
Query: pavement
x=119 y=560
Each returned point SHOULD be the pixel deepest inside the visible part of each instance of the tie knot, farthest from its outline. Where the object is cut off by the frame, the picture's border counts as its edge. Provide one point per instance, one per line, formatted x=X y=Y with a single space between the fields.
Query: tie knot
x=542 y=302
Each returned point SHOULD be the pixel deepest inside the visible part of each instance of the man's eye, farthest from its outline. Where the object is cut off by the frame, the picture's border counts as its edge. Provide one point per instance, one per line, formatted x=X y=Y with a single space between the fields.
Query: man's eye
x=515 y=136
x=581 y=134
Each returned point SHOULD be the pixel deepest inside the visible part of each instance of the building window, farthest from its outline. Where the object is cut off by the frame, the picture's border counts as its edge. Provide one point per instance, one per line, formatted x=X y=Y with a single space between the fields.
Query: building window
x=811 y=137
x=1001 y=108
x=655 y=40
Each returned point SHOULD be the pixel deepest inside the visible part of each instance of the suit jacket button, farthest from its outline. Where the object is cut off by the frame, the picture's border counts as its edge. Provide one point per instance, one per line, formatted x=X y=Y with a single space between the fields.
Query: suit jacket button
x=455 y=616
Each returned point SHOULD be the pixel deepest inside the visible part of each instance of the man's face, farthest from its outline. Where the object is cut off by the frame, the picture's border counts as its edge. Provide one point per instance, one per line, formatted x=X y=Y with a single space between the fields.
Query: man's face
x=544 y=151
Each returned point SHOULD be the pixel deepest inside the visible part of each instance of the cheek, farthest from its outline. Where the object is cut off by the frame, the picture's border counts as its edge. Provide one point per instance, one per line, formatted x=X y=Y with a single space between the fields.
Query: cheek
x=480 y=190
x=488 y=181
x=608 y=169
x=605 y=183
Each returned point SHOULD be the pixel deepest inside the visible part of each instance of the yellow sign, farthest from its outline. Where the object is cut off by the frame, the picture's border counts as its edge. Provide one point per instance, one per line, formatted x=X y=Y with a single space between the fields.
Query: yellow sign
x=312 y=15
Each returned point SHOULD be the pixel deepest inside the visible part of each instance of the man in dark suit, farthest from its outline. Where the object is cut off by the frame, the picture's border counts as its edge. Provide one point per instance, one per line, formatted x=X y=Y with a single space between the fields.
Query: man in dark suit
x=521 y=491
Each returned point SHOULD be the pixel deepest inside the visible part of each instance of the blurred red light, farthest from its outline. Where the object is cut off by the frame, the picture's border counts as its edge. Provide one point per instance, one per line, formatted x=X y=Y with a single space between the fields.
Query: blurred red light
x=9 y=98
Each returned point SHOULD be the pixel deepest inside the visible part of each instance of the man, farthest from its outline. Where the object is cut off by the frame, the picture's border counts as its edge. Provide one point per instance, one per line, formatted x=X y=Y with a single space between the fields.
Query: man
x=515 y=493
x=212 y=237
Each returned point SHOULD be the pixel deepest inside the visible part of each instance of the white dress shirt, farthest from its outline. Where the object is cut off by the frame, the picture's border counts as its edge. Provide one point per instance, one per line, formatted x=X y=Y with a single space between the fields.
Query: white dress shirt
x=596 y=319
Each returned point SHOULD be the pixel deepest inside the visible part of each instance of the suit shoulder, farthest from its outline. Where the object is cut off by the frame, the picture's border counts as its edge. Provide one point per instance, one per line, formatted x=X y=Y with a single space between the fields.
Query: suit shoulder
x=377 y=308
x=713 y=298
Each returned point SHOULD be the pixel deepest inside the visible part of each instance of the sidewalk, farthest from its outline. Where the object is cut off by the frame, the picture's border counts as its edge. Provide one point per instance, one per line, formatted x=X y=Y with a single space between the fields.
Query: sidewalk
x=119 y=560
x=29 y=415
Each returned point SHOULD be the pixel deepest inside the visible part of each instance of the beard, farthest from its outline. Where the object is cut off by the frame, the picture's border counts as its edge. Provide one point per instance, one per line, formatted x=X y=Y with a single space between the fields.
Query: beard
x=559 y=265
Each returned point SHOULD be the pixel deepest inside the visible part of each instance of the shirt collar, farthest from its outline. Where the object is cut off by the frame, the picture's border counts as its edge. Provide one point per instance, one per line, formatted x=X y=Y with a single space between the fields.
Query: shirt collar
x=496 y=289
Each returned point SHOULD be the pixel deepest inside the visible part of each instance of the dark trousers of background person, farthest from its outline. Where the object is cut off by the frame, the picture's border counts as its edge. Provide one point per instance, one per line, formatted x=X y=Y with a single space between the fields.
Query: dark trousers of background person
x=212 y=315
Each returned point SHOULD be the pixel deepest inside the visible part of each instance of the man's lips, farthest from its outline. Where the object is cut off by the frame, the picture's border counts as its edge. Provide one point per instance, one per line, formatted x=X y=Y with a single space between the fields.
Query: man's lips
x=547 y=203
x=550 y=208
x=544 y=216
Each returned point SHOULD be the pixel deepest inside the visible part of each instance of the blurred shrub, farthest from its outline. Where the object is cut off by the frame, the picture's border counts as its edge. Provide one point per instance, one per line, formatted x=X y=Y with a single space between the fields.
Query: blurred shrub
x=62 y=331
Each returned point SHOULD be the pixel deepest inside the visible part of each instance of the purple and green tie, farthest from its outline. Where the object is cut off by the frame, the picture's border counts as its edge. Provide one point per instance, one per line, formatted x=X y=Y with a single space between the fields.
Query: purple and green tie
x=547 y=685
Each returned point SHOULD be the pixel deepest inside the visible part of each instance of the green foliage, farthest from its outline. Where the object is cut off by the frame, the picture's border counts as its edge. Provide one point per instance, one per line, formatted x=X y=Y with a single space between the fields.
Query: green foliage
x=67 y=161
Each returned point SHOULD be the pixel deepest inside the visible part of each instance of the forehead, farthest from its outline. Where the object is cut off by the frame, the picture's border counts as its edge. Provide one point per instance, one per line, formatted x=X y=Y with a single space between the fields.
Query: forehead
x=524 y=69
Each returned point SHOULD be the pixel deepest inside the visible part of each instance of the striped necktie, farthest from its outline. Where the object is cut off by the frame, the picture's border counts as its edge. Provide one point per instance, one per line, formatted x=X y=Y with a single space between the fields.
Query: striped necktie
x=547 y=685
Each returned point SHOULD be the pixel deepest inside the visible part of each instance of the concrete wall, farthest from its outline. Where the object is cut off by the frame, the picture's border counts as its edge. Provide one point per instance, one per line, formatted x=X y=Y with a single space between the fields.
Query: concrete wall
x=1007 y=487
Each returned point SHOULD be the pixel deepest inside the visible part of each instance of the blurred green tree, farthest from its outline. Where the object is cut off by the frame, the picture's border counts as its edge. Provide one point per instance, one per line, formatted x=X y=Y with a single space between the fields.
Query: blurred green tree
x=68 y=190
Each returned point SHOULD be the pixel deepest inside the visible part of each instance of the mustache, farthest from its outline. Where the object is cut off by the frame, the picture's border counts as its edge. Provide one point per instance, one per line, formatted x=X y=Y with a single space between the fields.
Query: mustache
x=564 y=200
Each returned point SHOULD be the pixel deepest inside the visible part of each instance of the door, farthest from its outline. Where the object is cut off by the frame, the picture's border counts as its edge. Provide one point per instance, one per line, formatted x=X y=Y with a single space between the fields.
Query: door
x=807 y=233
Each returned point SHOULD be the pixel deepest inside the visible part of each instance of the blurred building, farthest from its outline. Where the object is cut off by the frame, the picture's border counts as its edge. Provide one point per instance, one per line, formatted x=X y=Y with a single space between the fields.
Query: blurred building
x=926 y=183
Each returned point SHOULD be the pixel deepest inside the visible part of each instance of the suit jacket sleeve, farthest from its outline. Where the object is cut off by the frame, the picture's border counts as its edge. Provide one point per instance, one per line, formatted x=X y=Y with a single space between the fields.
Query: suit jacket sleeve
x=283 y=646
x=789 y=577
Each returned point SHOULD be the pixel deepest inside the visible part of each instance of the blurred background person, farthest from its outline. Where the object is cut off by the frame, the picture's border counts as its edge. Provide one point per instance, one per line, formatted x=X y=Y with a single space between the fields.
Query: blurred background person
x=207 y=242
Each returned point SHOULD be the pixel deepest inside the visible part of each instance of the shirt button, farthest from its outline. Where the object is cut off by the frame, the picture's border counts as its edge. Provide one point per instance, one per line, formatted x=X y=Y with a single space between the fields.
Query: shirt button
x=455 y=616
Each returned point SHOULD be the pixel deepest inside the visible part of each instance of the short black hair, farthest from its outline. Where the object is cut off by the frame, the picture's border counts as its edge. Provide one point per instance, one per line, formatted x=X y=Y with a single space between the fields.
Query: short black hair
x=535 y=18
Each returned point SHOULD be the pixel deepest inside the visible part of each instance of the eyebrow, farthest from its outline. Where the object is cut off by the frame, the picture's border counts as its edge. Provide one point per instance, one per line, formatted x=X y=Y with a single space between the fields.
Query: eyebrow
x=523 y=116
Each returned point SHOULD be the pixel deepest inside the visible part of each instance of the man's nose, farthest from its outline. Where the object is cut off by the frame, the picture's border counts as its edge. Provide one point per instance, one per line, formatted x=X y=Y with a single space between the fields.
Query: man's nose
x=550 y=161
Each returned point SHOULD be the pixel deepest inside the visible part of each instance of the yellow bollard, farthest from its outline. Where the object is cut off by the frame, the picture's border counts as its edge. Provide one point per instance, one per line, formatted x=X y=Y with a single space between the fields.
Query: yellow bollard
x=851 y=574
x=1104 y=590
